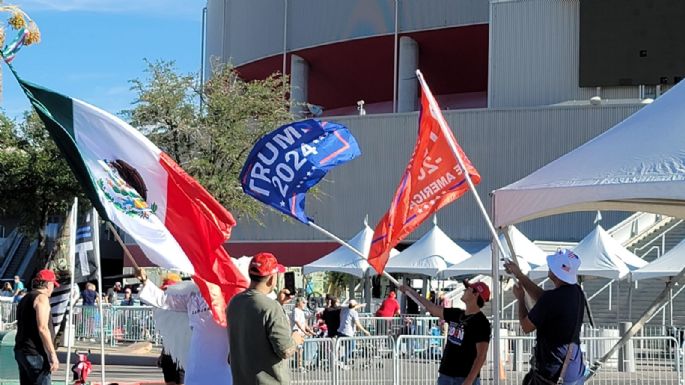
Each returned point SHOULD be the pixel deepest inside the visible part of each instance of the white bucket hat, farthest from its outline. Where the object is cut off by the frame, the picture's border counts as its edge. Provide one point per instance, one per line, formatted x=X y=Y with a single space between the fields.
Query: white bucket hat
x=564 y=265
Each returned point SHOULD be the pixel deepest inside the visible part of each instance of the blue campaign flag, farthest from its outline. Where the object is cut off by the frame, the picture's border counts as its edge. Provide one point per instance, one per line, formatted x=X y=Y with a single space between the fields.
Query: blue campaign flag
x=286 y=163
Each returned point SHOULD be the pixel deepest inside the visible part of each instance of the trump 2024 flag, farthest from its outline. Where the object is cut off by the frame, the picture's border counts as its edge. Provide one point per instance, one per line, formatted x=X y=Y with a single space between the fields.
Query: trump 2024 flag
x=284 y=164
x=432 y=180
x=132 y=183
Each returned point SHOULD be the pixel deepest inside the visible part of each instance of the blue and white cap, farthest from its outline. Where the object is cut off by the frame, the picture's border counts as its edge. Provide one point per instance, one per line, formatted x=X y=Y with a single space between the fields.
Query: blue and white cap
x=564 y=265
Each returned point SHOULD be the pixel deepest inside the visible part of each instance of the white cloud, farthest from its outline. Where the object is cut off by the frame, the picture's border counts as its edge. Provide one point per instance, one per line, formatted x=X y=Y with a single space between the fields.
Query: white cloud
x=185 y=8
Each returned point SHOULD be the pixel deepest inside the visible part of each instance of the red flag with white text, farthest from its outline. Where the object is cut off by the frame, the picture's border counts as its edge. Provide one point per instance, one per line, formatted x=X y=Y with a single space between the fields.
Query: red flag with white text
x=432 y=180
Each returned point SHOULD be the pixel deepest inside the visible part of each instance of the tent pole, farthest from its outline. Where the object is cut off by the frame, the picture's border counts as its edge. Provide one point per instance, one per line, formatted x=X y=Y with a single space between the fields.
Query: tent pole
x=630 y=302
x=496 y=359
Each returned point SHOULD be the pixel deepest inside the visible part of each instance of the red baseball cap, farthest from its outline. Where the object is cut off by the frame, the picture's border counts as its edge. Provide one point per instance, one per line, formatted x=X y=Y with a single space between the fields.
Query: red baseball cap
x=482 y=289
x=47 y=276
x=264 y=264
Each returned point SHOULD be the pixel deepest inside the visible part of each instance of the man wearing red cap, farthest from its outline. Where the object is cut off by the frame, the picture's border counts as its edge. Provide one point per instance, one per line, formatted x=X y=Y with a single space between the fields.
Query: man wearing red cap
x=390 y=307
x=33 y=347
x=468 y=335
x=258 y=329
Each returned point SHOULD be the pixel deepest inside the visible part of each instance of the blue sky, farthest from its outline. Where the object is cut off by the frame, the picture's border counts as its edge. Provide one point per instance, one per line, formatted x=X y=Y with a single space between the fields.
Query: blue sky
x=90 y=49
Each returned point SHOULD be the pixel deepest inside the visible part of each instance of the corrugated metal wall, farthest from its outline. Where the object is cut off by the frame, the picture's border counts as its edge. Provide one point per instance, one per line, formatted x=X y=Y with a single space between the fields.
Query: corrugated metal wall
x=534 y=55
x=253 y=29
x=503 y=144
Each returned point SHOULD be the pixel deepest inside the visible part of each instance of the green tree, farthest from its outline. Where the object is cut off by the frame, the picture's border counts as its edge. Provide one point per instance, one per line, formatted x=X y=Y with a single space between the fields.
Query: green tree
x=35 y=181
x=212 y=142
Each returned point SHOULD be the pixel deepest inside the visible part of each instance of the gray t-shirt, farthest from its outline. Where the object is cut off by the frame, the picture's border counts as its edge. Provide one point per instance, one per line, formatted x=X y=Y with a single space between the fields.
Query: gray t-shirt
x=259 y=335
x=348 y=319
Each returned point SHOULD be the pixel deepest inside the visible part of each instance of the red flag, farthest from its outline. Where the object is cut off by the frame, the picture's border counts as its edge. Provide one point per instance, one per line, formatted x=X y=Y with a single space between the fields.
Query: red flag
x=432 y=180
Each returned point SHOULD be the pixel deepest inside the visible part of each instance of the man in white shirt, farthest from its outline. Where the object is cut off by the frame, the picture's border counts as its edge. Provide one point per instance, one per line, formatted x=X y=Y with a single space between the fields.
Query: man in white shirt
x=299 y=325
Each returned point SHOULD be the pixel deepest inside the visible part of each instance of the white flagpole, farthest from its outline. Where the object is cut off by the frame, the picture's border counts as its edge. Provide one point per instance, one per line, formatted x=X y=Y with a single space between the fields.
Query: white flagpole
x=95 y=226
x=359 y=253
x=453 y=146
x=495 y=263
x=72 y=269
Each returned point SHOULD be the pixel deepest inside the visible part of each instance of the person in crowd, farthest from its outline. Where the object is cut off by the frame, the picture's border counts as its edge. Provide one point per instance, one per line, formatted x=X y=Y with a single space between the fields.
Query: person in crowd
x=198 y=343
x=390 y=307
x=7 y=290
x=19 y=297
x=331 y=316
x=173 y=372
x=557 y=316
x=113 y=293
x=34 y=350
x=468 y=335
x=18 y=285
x=89 y=295
x=259 y=332
x=299 y=325
x=349 y=323
x=128 y=298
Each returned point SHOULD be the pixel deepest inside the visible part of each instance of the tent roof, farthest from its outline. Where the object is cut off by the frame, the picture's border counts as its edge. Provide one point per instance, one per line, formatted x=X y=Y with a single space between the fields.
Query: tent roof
x=430 y=255
x=481 y=263
x=669 y=265
x=600 y=256
x=638 y=165
x=343 y=260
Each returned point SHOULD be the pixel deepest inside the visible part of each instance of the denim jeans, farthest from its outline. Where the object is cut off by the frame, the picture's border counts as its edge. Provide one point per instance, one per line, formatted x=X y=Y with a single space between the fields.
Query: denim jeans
x=33 y=369
x=447 y=380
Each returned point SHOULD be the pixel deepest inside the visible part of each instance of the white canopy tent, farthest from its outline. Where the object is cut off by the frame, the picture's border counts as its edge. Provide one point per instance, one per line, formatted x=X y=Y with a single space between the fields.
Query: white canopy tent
x=528 y=256
x=343 y=260
x=601 y=256
x=669 y=265
x=428 y=256
x=638 y=165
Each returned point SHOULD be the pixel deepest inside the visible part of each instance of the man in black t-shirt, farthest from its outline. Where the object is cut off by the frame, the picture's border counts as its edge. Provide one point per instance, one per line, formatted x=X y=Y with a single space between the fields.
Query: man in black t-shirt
x=468 y=335
x=557 y=316
x=331 y=317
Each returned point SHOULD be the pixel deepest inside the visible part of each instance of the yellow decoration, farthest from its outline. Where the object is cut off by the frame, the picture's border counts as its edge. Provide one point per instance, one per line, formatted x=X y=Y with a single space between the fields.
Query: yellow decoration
x=2 y=37
x=33 y=36
x=17 y=20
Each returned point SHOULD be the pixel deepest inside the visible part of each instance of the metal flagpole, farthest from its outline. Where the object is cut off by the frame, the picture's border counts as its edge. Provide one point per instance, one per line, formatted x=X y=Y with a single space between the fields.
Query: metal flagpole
x=359 y=253
x=453 y=146
x=72 y=269
x=95 y=226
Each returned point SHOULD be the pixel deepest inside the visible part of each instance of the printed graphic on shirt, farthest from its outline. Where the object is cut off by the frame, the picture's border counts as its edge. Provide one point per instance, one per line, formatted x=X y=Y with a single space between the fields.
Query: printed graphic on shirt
x=455 y=333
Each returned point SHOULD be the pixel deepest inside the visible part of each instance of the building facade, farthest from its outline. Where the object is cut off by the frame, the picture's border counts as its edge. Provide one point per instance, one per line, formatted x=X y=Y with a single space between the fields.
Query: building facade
x=505 y=72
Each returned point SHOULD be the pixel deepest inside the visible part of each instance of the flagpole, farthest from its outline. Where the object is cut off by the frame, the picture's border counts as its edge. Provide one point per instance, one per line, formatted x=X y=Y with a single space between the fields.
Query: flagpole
x=453 y=146
x=95 y=226
x=122 y=244
x=72 y=270
x=352 y=248
x=359 y=253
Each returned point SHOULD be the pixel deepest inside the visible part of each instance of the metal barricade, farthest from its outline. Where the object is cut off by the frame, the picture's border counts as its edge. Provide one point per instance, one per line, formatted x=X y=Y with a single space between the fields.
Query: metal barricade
x=364 y=360
x=417 y=359
x=8 y=313
x=133 y=324
x=654 y=360
x=86 y=322
x=396 y=326
x=313 y=363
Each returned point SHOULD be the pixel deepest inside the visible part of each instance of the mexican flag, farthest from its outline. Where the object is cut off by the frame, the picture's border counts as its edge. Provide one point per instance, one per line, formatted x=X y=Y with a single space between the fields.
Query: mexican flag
x=135 y=185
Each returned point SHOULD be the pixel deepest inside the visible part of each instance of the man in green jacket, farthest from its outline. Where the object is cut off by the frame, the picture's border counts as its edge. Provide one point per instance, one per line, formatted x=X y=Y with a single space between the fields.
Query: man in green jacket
x=259 y=332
